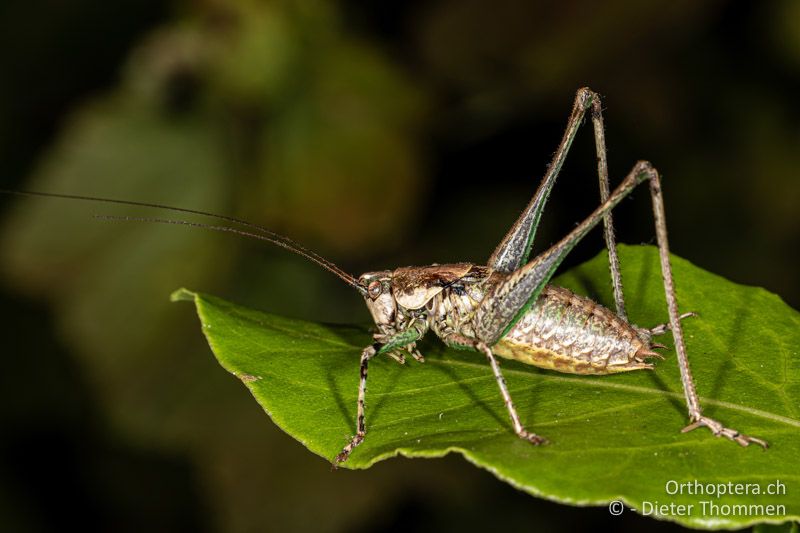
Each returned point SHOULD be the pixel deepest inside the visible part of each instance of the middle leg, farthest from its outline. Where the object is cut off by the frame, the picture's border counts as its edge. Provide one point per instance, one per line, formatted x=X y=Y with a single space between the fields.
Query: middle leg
x=519 y=429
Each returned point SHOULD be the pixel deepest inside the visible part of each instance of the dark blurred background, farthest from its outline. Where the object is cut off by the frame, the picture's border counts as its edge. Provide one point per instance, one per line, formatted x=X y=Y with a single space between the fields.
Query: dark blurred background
x=378 y=134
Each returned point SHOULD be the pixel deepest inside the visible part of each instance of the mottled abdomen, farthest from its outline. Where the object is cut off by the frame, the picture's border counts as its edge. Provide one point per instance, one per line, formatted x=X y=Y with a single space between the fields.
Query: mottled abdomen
x=569 y=333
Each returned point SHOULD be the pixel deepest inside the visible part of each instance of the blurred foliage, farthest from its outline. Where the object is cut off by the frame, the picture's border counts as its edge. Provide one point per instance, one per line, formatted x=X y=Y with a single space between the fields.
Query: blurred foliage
x=380 y=134
x=240 y=108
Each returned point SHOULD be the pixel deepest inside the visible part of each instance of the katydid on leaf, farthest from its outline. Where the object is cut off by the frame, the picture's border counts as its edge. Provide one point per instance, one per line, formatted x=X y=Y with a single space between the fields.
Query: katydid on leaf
x=506 y=308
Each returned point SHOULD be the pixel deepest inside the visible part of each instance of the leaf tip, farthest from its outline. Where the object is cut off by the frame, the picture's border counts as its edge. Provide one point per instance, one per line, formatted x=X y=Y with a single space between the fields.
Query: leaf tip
x=182 y=295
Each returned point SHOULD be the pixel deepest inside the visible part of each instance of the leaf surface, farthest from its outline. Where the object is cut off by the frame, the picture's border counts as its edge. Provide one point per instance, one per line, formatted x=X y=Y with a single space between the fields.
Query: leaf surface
x=612 y=437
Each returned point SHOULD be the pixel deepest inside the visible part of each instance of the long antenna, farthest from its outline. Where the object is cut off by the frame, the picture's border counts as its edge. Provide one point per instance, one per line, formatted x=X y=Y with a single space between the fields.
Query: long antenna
x=263 y=234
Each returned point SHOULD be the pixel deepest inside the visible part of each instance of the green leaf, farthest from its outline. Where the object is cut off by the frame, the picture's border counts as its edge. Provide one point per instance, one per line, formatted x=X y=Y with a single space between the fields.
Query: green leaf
x=612 y=438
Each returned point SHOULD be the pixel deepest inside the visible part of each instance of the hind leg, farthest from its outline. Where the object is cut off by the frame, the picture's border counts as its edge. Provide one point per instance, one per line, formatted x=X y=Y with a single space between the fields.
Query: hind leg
x=696 y=417
x=513 y=251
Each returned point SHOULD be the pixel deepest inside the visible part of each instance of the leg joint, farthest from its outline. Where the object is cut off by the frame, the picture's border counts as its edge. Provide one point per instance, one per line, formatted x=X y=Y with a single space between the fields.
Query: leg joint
x=586 y=97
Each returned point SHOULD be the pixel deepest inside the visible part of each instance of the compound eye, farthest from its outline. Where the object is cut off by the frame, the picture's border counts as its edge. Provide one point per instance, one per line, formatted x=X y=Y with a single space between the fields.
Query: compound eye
x=375 y=289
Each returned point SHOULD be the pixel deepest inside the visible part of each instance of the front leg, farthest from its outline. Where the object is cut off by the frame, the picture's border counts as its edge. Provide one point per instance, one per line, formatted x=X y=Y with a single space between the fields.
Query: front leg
x=398 y=354
x=398 y=340
x=361 y=428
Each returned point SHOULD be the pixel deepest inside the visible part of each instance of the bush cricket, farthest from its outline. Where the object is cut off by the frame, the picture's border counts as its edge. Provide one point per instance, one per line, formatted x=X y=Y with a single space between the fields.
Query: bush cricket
x=506 y=308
